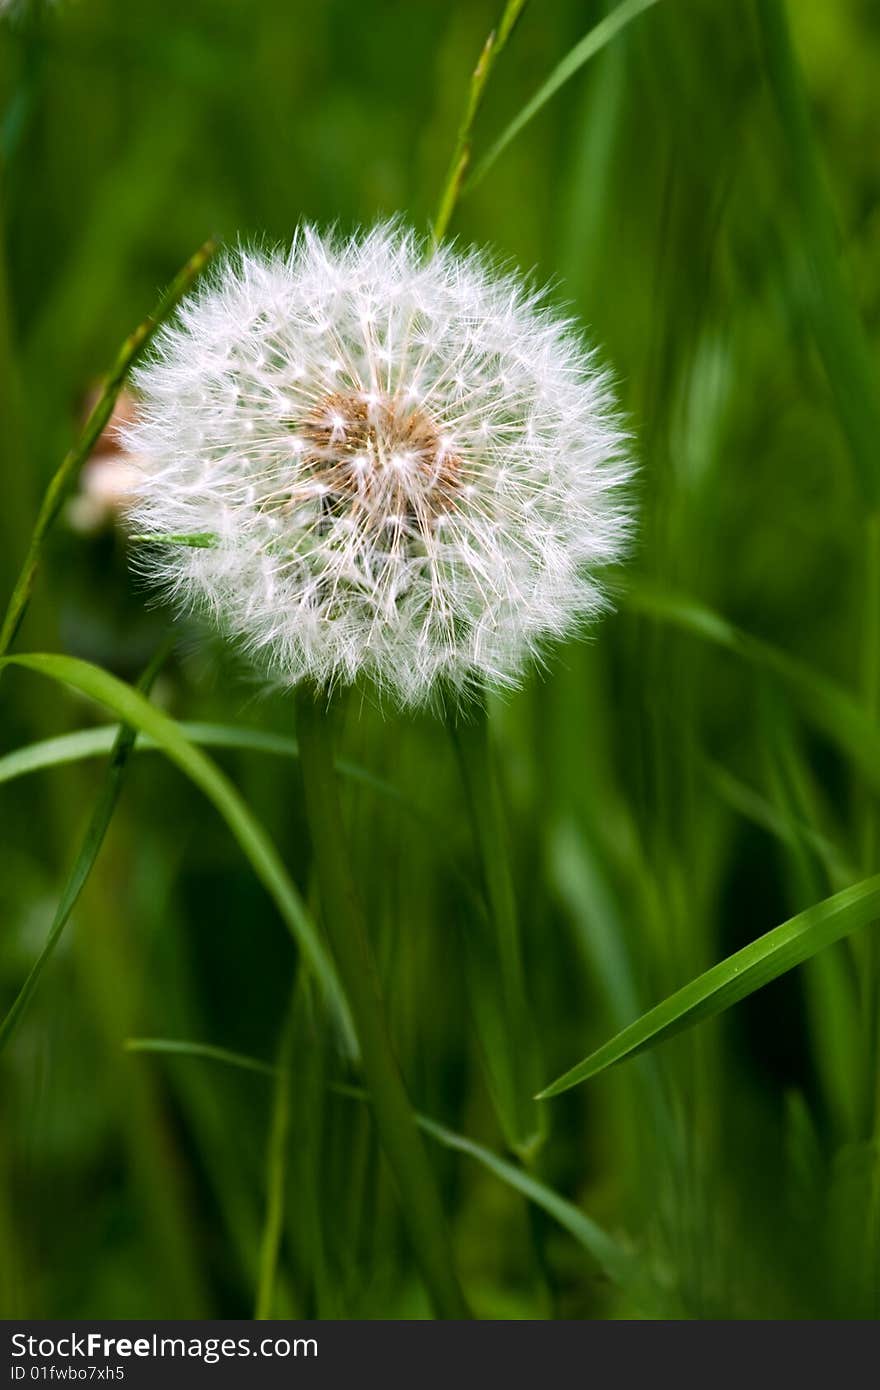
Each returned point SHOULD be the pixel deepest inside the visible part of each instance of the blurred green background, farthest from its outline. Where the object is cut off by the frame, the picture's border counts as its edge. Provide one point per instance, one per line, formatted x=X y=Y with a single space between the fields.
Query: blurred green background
x=663 y=798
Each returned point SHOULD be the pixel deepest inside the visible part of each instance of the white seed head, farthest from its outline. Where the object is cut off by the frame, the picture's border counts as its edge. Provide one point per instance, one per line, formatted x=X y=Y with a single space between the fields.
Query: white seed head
x=411 y=466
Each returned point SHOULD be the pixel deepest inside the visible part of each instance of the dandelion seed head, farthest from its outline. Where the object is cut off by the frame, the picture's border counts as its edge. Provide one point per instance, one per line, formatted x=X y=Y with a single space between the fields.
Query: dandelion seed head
x=413 y=467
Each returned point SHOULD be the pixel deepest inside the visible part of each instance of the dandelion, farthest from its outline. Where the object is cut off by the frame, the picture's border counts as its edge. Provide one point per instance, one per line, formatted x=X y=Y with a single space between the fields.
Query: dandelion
x=410 y=466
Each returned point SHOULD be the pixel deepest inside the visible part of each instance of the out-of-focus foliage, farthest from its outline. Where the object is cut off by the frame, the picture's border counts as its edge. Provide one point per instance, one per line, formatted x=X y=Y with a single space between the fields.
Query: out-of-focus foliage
x=664 y=800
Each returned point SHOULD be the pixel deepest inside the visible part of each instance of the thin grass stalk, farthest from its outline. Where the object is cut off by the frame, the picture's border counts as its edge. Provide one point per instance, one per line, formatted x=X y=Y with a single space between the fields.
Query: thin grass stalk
x=461 y=154
x=343 y=920
x=830 y=992
x=620 y=1263
x=276 y=1169
x=587 y=48
x=64 y=479
x=90 y=848
x=513 y=1061
x=306 y=1216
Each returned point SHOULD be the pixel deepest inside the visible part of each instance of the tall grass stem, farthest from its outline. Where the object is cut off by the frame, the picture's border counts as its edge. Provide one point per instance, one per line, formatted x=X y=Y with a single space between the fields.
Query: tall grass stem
x=461 y=154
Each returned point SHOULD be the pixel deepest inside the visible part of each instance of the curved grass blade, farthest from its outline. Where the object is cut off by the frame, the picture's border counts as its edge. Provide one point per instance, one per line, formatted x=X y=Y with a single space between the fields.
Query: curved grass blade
x=824 y=702
x=131 y=706
x=750 y=804
x=591 y=44
x=93 y=743
x=66 y=475
x=617 y=1262
x=206 y=1051
x=735 y=978
x=119 y=749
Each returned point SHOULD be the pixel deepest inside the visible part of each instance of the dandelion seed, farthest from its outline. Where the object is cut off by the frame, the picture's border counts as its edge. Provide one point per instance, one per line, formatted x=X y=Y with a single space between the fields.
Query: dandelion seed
x=413 y=466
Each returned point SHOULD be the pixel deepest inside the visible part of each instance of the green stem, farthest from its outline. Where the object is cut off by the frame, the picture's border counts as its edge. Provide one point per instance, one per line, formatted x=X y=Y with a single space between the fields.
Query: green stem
x=343 y=920
x=276 y=1170
x=66 y=475
x=498 y=991
x=461 y=155
x=591 y=44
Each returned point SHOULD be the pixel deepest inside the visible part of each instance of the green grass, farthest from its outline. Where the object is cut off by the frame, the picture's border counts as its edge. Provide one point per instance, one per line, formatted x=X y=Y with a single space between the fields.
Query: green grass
x=701 y=190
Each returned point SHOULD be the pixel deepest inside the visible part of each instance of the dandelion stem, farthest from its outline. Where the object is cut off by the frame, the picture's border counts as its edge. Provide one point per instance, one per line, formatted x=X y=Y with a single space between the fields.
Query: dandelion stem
x=461 y=155
x=66 y=475
x=508 y=1040
x=276 y=1169
x=346 y=929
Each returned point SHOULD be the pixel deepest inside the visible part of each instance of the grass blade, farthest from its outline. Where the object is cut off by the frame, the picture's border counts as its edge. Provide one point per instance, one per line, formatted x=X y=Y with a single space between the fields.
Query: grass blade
x=65 y=477
x=824 y=702
x=131 y=706
x=735 y=978
x=591 y=44
x=344 y=922
x=120 y=750
x=97 y=742
x=94 y=743
x=494 y=964
x=617 y=1262
x=174 y=1048
x=754 y=807
x=620 y=1266
x=276 y=1170
x=461 y=155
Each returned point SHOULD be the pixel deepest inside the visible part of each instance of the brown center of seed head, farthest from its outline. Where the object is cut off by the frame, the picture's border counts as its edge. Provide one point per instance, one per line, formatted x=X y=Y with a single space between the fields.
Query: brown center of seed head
x=385 y=459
